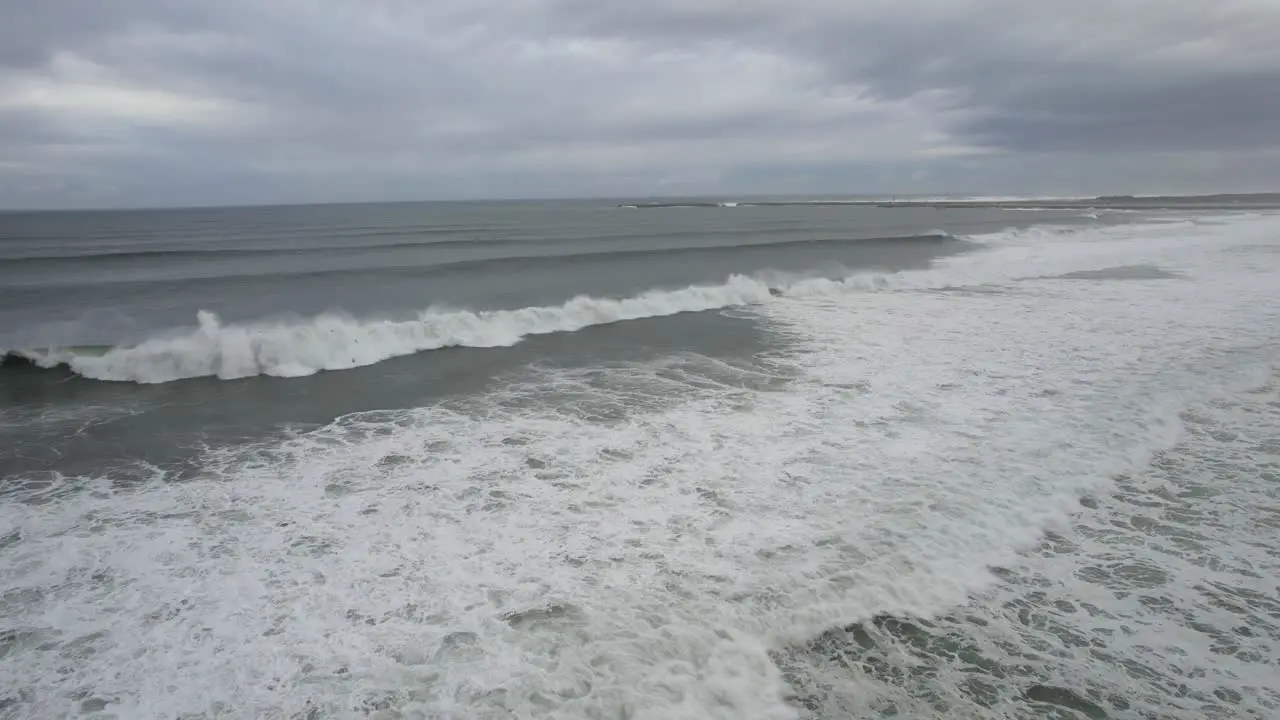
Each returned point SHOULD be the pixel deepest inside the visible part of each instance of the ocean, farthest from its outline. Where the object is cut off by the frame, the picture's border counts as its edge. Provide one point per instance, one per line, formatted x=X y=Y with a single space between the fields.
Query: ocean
x=643 y=459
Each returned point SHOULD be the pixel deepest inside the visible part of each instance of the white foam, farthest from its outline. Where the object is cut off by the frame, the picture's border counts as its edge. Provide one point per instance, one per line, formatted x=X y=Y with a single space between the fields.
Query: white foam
x=337 y=342
x=515 y=554
x=1168 y=582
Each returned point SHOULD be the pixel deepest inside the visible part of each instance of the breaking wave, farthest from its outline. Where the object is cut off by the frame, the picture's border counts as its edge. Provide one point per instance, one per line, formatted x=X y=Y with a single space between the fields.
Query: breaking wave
x=335 y=341
x=338 y=342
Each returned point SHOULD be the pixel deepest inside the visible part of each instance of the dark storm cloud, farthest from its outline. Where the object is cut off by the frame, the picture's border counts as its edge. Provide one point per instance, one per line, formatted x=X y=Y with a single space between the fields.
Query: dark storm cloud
x=147 y=101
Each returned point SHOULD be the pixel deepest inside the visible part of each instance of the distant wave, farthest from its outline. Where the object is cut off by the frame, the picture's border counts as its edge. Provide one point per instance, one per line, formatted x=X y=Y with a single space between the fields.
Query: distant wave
x=312 y=240
x=131 y=256
x=563 y=259
x=1267 y=200
x=697 y=204
x=324 y=244
x=314 y=245
x=480 y=264
x=862 y=201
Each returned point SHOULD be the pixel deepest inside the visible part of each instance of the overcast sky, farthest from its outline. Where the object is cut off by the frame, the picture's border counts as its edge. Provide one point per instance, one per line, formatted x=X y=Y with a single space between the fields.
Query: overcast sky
x=176 y=102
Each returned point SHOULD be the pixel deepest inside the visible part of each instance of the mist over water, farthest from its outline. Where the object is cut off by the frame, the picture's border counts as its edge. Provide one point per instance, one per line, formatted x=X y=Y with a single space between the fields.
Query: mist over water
x=574 y=460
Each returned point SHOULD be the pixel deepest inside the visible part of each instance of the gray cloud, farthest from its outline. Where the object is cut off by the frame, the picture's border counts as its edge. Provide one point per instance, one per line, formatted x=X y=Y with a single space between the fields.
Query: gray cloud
x=1231 y=112
x=163 y=102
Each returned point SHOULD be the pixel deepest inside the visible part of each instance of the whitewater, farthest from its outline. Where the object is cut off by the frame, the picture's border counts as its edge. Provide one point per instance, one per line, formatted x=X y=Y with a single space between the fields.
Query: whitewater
x=972 y=490
x=337 y=342
x=341 y=340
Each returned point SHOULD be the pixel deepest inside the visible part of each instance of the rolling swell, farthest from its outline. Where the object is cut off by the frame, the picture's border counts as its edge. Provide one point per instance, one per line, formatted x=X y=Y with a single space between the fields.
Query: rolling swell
x=313 y=242
x=679 y=253
x=320 y=244
x=141 y=244
x=477 y=265
x=133 y=253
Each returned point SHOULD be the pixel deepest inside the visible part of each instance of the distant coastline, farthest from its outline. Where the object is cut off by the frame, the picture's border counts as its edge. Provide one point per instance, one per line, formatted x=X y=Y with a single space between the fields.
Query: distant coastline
x=1116 y=202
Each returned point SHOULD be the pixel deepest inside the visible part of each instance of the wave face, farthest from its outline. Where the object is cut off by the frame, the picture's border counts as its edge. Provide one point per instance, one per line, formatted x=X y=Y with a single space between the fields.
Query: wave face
x=337 y=342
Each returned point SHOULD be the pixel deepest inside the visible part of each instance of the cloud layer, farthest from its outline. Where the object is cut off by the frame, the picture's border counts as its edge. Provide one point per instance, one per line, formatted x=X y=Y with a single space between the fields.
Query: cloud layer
x=160 y=102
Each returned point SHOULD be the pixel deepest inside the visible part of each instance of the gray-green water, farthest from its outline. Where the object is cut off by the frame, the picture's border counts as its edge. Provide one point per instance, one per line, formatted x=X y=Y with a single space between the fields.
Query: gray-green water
x=577 y=460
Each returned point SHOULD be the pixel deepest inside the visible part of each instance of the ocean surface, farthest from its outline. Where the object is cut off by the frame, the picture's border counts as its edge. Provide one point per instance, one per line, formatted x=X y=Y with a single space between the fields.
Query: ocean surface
x=642 y=459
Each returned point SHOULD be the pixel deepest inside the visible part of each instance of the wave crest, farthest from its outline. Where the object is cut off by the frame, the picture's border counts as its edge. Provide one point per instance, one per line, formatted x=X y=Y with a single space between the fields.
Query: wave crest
x=337 y=342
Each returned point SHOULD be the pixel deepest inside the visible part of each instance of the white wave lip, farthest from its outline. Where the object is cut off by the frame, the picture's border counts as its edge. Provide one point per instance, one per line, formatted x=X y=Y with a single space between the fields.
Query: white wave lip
x=334 y=342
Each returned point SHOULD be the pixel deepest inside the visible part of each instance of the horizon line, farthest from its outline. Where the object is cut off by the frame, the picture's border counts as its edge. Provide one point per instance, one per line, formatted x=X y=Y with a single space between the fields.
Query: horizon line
x=990 y=198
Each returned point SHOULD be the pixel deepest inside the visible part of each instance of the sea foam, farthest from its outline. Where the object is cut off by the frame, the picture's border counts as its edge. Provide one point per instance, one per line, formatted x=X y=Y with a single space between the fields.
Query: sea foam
x=508 y=554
